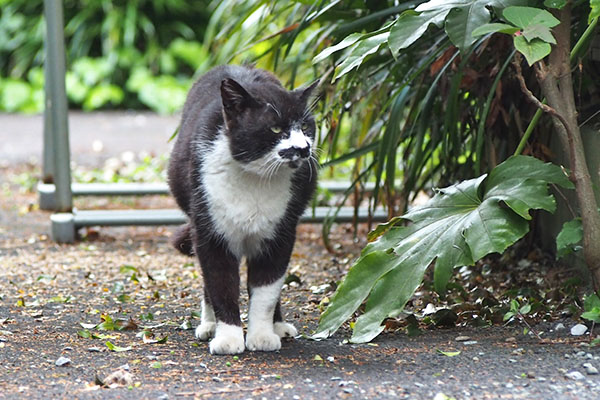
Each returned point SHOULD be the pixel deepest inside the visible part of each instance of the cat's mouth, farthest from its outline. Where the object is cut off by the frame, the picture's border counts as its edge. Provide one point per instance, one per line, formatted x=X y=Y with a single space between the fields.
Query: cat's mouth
x=294 y=164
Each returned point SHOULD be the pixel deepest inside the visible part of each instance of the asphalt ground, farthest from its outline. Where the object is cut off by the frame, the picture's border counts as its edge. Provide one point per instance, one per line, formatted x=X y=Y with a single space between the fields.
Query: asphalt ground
x=47 y=291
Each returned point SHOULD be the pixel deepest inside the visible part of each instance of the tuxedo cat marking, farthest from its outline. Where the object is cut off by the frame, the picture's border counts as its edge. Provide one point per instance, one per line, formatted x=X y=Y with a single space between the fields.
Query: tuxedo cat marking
x=243 y=171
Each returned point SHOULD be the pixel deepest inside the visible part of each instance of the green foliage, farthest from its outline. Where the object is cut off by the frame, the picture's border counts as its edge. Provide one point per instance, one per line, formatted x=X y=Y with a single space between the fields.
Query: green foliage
x=569 y=238
x=105 y=42
x=457 y=227
x=594 y=10
x=591 y=305
x=530 y=30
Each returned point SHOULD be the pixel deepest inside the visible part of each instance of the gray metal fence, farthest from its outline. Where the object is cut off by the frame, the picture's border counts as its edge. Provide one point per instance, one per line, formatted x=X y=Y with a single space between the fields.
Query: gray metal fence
x=56 y=190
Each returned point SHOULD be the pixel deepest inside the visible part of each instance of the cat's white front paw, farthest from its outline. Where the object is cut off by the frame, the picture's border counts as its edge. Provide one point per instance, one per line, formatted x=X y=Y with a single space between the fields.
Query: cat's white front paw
x=263 y=341
x=206 y=330
x=229 y=339
x=284 y=329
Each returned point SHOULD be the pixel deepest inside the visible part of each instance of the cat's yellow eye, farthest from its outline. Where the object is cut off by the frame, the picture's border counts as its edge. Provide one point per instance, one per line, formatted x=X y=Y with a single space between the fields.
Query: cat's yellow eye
x=275 y=129
x=304 y=126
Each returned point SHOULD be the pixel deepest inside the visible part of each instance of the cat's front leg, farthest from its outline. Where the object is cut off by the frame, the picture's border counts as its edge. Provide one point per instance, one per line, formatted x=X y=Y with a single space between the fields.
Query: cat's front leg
x=265 y=279
x=221 y=313
x=261 y=331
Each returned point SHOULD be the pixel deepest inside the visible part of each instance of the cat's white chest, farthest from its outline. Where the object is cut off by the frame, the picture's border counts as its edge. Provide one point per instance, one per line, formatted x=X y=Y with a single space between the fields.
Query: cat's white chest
x=245 y=208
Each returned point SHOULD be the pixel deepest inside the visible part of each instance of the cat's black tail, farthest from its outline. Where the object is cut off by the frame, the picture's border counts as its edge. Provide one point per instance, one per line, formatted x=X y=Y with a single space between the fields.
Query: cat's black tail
x=182 y=240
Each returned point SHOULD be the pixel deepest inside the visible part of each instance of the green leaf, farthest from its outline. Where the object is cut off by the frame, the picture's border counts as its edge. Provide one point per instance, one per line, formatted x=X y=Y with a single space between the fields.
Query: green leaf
x=345 y=43
x=461 y=18
x=591 y=301
x=358 y=52
x=116 y=348
x=558 y=4
x=526 y=16
x=538 y=31
x=85 y=334
x=448 y=353
x=128 y=269
x=494 y=27
x=410 y=26
x=593 y=315
x=525 y=309
x=102 y=94
x=459 y=225
x=594 y=10
x=570 y=235
x=14 y=94
x=533 y=51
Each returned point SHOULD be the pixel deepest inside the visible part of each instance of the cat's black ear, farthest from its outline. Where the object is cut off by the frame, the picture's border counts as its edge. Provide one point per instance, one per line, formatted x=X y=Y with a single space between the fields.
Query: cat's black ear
x=235 y=97
x=306 y=93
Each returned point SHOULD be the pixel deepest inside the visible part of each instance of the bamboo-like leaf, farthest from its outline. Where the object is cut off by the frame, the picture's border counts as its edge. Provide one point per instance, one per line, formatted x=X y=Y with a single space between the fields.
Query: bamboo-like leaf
x=358 y=52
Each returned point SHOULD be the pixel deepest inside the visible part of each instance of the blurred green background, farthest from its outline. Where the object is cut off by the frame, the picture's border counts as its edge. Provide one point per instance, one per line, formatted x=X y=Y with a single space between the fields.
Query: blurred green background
x=120 y=54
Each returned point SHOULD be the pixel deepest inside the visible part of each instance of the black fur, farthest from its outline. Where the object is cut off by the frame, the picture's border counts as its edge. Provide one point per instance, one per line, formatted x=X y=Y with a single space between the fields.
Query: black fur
x=242 y=103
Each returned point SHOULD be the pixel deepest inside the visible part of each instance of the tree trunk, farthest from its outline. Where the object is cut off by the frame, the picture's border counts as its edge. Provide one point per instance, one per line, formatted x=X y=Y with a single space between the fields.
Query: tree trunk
x=557 y=86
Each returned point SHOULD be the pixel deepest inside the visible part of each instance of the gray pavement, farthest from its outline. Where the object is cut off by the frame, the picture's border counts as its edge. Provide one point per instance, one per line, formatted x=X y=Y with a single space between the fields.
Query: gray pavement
x=93 y=136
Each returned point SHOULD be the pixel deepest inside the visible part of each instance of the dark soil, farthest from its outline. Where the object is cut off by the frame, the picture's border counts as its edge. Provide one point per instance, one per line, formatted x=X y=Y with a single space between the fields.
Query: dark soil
x=134 y=278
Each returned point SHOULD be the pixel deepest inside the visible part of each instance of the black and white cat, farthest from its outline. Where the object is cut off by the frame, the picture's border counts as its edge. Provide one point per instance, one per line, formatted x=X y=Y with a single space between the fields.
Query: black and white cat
x=243 y=171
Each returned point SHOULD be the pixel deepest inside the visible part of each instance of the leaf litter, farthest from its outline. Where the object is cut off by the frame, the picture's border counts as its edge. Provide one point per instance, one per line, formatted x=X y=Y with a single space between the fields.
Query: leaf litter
x=164 y=290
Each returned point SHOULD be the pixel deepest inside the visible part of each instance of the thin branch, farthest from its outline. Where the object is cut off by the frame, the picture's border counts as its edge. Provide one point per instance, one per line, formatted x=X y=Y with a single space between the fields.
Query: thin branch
x=544 y=107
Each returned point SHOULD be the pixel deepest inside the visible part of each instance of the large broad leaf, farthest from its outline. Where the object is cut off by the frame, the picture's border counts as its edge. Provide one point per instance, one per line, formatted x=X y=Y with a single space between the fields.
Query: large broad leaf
x=459 y=225
x=461 y=18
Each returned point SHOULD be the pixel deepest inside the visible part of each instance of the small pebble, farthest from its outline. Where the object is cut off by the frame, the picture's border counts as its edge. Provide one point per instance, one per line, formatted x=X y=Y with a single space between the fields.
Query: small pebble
x=590 y=369
x=509 y=385
x=462 y=338
x=578 y=330
x=475 y=358
x=559 y=327
x=348 y=390
x=575 y=375
x=530 y=374
x=470 y=342
x=94 y=349
x=330 y=359
x=511 y=339
x=62 y=361
x=336 y=378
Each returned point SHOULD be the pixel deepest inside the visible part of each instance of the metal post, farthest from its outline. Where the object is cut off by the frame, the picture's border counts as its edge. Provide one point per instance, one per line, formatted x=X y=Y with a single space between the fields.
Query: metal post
x=56 y=105
x=48 y=151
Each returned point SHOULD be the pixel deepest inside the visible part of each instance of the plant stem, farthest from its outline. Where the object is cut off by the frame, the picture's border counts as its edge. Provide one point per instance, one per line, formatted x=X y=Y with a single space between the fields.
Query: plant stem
x=538 y=114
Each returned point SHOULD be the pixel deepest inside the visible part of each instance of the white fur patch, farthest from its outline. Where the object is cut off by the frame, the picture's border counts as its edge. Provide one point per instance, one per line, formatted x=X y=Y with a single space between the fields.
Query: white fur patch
x=246 y=201
x=297 y=139
x=229 y=339
x=284 y=329
x=261 y=334
x=208 y=325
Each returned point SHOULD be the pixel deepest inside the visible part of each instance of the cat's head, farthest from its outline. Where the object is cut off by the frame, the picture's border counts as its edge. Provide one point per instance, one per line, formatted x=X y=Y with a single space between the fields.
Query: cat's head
x=268 y=126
